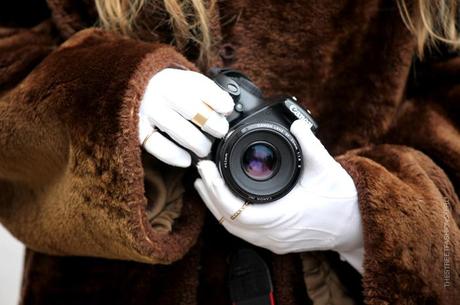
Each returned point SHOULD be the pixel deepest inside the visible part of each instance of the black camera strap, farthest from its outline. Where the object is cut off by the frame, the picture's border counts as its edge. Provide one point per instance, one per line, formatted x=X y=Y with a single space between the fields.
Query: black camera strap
x=249 y=279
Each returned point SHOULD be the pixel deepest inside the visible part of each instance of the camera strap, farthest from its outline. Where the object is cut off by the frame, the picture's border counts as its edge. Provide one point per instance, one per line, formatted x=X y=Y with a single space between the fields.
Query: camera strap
x=249 y=279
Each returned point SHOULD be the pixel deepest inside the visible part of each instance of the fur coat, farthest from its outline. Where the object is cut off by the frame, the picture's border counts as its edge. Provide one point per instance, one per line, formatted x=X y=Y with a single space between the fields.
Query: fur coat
x=104 y=223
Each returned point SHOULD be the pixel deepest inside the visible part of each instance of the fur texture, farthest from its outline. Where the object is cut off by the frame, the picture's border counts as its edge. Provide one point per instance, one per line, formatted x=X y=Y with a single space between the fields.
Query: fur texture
x=71 y=169
x=408 y=208
x=76 y=163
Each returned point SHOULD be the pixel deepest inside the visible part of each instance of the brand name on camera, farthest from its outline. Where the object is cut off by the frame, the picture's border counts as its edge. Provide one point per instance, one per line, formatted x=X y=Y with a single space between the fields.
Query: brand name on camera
x=299 y=114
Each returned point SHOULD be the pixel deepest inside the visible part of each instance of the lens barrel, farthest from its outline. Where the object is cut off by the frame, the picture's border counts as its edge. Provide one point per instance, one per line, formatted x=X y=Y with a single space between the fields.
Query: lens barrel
x=260 y=161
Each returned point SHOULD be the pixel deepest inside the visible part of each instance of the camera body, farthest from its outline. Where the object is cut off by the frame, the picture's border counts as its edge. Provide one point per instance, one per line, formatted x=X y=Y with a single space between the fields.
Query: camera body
x=259 y=158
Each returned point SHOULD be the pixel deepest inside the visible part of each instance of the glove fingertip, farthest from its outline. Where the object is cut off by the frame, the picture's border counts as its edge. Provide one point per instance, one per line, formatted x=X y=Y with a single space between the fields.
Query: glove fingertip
x=300 y=127
x=198 y=184
x=216 y=125
x=206 y=168
x=307 y=140
x=228 y=104
x=185 y=162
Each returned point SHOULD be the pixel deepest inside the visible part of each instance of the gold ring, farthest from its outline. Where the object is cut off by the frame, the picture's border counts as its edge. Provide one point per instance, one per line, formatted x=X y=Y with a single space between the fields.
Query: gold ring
x=147 y=137
x=221 y=220
x=201 y=118
x=237 y=213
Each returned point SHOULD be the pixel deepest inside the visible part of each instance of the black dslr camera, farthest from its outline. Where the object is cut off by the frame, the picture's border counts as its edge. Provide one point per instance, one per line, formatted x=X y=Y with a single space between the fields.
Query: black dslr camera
x=259 y=158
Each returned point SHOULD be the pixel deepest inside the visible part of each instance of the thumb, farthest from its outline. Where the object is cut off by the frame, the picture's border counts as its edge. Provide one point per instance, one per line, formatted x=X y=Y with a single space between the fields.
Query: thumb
x=315 y=156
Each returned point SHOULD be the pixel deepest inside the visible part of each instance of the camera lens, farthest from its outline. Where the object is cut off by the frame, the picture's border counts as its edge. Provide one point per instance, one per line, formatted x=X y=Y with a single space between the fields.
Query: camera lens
x=259 y=161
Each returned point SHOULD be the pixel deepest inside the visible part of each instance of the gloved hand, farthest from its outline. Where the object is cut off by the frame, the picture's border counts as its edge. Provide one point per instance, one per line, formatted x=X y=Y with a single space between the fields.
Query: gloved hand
x=320 y=213
x=173 y=97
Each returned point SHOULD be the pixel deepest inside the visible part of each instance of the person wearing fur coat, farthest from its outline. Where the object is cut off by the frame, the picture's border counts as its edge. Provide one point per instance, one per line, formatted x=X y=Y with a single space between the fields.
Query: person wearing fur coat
x=112 y=211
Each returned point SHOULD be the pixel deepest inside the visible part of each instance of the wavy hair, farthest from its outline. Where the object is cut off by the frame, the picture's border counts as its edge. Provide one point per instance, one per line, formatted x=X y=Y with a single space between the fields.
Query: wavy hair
x=432 y=22
x=190 y=20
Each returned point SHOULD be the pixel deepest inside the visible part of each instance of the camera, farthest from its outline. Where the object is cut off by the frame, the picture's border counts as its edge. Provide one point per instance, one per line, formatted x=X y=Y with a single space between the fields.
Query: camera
x=259 y=158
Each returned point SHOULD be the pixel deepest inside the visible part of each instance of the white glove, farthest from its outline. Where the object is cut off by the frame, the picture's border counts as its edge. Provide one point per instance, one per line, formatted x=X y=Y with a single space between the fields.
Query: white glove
x=172 y=98
x=320 y=213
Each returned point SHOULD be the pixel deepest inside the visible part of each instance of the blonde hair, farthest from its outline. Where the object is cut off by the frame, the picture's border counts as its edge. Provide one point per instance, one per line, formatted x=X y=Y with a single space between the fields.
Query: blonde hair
x=190 y=20
x=431 y=21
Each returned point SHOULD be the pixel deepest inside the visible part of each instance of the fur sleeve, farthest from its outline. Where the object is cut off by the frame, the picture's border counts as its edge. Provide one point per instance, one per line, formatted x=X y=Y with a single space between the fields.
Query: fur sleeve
x=71 y=176
x=410 y=215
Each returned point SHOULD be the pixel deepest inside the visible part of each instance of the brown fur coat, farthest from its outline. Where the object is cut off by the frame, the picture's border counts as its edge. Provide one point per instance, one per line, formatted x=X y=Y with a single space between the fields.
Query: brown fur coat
x=75 y=188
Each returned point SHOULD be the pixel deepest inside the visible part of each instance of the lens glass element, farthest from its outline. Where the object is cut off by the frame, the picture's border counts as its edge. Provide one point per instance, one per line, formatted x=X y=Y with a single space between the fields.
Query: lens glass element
x=259 y=161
